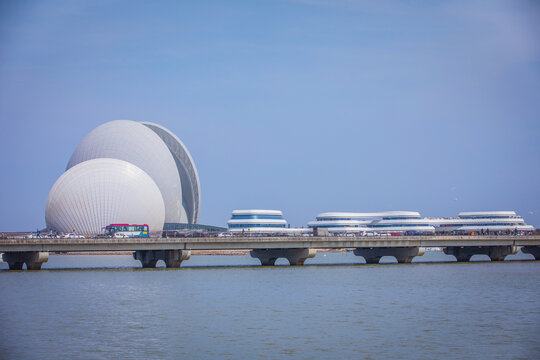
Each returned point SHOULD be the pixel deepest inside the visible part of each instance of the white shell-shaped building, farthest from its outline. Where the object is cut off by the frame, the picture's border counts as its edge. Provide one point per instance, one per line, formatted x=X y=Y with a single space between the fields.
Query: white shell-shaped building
x=135 y=143
x=100 y=192
x=151 y=149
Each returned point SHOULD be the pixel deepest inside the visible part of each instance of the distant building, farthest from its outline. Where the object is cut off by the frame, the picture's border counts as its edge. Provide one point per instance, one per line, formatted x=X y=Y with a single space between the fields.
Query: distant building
x=483 y=221
x=376 y=222
x=261 y=222
x=410 y=222
x=125 y=172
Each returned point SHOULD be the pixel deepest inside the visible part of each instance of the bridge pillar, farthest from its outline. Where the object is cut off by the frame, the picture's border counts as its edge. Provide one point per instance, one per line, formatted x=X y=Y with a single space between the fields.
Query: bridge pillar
x=533 y=250
x=495 y=253
x=402 y=254
x=33 y=259
x=268 y=257
x=172 y=258
x=371 y=255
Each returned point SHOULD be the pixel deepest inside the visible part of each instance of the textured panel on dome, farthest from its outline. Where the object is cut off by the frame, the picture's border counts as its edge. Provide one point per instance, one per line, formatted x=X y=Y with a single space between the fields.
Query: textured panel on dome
x=135 y=143
x=99 y=192
x=191 y=190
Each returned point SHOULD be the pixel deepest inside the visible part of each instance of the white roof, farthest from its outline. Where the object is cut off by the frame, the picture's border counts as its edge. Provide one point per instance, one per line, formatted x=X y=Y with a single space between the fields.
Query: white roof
x=257 y=221
x=411 y=214
x=258 y=212
x=487 y=213
x=345 y=215
x=338 y=222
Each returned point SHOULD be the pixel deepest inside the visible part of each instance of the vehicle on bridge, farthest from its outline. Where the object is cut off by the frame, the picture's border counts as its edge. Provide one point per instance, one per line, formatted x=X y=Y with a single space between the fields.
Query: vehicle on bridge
x=127 y=230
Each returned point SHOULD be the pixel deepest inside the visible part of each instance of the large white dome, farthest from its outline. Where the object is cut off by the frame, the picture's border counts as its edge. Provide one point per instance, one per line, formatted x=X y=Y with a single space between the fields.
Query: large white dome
x=99 y=192
x=139 y=145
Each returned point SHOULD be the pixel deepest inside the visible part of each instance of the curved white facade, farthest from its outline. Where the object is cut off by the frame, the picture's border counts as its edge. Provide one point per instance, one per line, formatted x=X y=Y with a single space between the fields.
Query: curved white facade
x=99 y=192
x=137 y=144
x=260 y=222
x=483 y=222
x=255 y=212
x=486 y=214
x=411 y=222
x=191 y=189
x=370 y=215
x=375 y=222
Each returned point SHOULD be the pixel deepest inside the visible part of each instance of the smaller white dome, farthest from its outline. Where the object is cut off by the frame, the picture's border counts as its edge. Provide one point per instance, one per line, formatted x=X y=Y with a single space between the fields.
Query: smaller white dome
x=99 y=192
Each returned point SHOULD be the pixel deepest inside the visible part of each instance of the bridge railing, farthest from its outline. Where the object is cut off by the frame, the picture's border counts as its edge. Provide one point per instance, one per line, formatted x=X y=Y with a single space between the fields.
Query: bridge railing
x=246 y=235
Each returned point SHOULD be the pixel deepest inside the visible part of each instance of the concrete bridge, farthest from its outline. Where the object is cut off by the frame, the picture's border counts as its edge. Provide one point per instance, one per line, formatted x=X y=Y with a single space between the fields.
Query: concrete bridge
x=296 y=249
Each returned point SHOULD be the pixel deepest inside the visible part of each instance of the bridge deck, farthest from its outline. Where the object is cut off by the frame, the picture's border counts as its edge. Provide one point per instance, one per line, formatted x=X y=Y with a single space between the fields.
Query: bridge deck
x=263 y=242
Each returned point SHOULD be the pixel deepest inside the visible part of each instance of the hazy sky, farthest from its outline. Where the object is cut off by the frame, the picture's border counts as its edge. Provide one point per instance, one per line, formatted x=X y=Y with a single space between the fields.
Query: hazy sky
x=304 y=106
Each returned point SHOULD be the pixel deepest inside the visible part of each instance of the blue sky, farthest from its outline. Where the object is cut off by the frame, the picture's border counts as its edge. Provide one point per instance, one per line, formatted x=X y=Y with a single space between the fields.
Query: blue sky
x=304 y=106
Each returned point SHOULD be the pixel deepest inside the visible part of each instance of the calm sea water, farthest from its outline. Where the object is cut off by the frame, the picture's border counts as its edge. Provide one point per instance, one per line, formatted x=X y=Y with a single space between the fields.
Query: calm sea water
x=233 y=310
